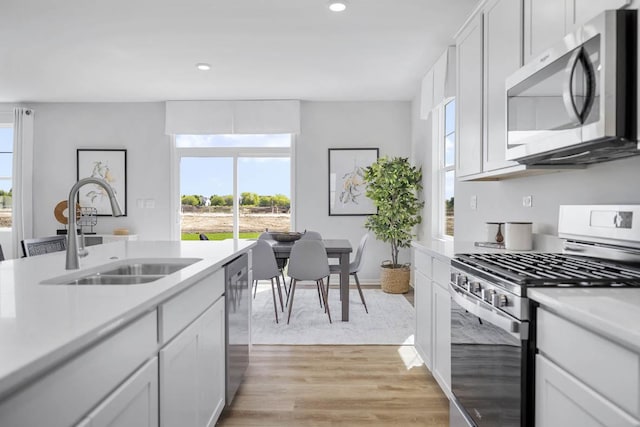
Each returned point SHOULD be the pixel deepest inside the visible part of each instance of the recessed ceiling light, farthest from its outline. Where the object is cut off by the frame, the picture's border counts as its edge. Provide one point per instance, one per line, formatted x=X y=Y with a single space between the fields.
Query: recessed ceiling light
x=203 y=67
x=337 y=6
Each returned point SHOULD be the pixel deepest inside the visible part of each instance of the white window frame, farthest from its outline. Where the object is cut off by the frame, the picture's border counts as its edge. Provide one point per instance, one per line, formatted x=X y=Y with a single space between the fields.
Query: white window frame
x=177 y=153
x=439 y=171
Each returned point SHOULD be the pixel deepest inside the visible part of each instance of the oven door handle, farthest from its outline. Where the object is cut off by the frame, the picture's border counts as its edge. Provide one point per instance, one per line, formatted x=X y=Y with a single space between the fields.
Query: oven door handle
x=486 y=312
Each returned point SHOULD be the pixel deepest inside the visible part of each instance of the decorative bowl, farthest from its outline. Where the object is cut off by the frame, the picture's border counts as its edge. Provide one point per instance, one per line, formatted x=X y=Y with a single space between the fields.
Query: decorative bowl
x=285 y=236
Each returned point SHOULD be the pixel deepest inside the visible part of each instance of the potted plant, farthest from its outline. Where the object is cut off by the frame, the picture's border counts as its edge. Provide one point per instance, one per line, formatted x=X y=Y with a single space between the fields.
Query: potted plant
x=392 y=186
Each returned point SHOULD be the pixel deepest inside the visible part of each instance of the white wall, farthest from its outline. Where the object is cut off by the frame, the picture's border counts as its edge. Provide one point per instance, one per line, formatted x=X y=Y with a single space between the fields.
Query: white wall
x=139 y=127
x=610 y=182
x=385 y=125
x=421 y=155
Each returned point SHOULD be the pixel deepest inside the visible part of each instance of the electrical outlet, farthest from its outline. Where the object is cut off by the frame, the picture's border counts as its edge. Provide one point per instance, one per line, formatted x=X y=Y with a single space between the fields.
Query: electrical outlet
x=527 y=201
x=473 y=203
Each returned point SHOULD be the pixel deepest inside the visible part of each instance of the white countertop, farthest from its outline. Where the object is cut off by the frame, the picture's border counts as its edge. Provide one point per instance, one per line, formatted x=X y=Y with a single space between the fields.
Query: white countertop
x=611 y=312
x=41 y=325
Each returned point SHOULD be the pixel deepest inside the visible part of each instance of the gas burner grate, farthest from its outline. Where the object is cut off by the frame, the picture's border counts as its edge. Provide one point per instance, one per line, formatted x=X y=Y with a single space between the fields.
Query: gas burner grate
x=539 y=269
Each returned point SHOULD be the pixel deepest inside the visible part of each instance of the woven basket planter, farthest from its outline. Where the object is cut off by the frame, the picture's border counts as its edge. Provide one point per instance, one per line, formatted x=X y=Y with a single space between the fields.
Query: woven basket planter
x=394 y=280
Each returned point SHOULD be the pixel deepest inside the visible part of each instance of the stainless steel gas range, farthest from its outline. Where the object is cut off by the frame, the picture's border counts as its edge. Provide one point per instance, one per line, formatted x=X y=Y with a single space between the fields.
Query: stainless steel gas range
x=493 y=321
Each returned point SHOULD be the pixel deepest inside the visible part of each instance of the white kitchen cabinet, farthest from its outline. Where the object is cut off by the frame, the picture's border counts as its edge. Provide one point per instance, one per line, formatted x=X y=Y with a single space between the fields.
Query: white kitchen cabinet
x=489 y=48
x=133 y=404
x=433 y=315
x=442 y=337
x=546 y=22
x=502 y=56
x=192 y=372
x=424 y=322
x=469 y=56
x=582 y=377
x=562 y=400
x=65 y=395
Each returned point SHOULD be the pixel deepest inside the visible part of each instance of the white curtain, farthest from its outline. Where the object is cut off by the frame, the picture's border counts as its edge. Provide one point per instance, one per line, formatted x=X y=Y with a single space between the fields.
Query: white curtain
x=22 y=178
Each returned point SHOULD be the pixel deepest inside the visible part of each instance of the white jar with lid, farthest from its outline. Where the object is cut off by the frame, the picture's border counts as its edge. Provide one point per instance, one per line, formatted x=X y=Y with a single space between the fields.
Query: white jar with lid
x=518 y=236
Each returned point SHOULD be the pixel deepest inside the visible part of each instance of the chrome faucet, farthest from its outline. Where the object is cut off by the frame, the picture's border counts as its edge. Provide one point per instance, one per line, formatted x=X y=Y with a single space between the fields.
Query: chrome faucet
x=73 y=262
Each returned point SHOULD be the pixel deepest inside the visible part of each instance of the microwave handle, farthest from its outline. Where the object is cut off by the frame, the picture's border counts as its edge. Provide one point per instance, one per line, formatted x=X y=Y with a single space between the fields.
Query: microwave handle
x=579 y=56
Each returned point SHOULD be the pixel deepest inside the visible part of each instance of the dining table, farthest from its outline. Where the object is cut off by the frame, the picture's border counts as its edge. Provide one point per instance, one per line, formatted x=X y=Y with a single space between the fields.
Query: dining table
x=336 y=248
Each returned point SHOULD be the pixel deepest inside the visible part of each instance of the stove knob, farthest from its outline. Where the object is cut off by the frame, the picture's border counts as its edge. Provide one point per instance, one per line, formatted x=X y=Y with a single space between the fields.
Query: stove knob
x=488 y=294
x=461 y=280
x=475 y=287
x=499 y=300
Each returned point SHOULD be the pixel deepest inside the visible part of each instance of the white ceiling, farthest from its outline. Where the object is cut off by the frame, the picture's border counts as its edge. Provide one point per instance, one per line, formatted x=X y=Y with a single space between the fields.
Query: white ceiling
x=146 y=50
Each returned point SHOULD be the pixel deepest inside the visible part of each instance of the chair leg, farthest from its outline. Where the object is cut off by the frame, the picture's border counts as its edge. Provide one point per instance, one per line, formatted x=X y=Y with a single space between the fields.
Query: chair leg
x=279 y=292
x=325 y=296
x=319 y=296
x=275 y=304
x=255 y=288
x=355 y=275
x=328 y=280
x=293 y=291
x=284 y=283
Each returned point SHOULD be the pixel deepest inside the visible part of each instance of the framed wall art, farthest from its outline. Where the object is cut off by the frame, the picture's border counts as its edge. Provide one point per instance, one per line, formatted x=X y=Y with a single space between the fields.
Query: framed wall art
x=346 y=181
x=110 y=165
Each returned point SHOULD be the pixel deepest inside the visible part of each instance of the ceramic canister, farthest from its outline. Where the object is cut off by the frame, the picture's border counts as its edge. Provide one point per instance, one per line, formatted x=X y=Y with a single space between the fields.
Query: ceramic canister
x=518 y=236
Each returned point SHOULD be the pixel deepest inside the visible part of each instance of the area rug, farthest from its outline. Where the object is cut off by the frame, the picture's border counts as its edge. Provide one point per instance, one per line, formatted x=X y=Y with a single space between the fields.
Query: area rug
x=391 y=319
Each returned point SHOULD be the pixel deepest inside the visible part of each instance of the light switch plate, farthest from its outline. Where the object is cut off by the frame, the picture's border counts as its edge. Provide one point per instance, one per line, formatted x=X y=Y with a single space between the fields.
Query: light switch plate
x=527 y=201
x=473 y=203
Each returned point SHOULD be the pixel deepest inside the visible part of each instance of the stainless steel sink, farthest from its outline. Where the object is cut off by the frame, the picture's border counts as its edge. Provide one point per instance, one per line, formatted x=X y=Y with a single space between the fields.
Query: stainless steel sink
x=125 y=272
x=104 y=279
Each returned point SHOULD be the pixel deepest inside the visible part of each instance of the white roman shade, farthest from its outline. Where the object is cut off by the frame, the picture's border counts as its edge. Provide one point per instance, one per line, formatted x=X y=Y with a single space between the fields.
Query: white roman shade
x=439 y=83
x=232 y=117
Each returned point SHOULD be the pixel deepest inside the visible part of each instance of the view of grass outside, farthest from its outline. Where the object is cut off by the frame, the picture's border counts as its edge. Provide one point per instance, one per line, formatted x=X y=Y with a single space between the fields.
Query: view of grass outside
x=213 y=215
x=448 y=213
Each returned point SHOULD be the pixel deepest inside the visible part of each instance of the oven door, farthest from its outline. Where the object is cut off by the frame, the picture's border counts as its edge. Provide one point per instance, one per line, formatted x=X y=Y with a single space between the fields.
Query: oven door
x=488 y=362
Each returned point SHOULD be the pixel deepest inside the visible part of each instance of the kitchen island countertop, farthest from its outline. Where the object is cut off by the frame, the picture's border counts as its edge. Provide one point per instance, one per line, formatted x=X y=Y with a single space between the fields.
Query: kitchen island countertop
x=610 y=312
x=43 y=325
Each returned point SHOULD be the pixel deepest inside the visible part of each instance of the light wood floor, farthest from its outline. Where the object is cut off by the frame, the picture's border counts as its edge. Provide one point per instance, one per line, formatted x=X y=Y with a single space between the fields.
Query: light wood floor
x=337 y=386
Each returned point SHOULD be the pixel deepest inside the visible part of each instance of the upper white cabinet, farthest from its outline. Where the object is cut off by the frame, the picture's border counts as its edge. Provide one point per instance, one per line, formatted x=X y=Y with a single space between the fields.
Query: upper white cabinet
x=547 y=21
x=489 y=48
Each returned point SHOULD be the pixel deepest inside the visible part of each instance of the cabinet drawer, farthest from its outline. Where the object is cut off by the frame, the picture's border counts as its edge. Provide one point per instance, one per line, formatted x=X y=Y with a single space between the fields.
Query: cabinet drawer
x=179 y=311
x=422 y=262
x=441 y=272
x=62 y=397
x=608 y=368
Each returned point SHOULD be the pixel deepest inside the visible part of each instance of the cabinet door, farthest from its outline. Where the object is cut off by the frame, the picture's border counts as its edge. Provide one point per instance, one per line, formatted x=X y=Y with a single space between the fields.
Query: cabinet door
x=442 y=337
x=562 y=400
x=424 y=324
x=544 y=25
x=581 y=11
x=502 y=56
x=469 y=99
x=192 y=372
x=133 y=404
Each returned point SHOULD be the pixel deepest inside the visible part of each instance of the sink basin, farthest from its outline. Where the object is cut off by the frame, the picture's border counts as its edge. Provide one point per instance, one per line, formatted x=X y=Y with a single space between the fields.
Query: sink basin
x=125 y=272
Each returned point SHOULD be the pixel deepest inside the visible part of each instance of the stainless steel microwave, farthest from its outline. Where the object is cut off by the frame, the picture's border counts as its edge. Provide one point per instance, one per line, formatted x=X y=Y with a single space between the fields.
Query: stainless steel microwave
x=576 y=102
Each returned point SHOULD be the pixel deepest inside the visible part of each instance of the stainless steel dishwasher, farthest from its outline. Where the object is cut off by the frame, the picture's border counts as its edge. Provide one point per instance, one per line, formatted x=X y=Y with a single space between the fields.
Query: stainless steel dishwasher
x=237 y=294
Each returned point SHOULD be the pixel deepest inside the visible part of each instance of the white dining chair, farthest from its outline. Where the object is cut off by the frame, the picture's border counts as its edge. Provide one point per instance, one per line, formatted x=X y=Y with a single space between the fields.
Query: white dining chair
x=311 y=235
x=282 y=262
x=354 y=267
x=309 y=261
x=265 y=268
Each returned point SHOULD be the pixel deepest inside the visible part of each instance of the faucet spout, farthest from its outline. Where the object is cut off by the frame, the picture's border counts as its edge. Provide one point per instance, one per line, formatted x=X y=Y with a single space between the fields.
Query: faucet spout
x=73 y=262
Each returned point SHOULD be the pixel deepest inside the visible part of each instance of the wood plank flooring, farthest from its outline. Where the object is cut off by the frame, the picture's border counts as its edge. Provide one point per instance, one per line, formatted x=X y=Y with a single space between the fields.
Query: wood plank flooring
x=337 y=386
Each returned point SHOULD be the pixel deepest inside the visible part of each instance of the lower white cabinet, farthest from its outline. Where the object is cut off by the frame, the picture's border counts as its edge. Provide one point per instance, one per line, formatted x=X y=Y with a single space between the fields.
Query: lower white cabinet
x=562 y=400
x=433 y=316
x=192 y=372
x=442 y=337
x=424 y=321
x=133 y=404
x=583 y=378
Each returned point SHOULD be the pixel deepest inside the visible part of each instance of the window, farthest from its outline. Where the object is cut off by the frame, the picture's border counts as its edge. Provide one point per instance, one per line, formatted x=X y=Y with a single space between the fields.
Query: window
x=234 y=185
x=6 y=170
x=445 y=155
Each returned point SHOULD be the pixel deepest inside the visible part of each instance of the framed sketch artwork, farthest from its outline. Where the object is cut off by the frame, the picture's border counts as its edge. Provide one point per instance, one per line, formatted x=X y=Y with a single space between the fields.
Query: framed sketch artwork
x=346 y=181
x=110 y=165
